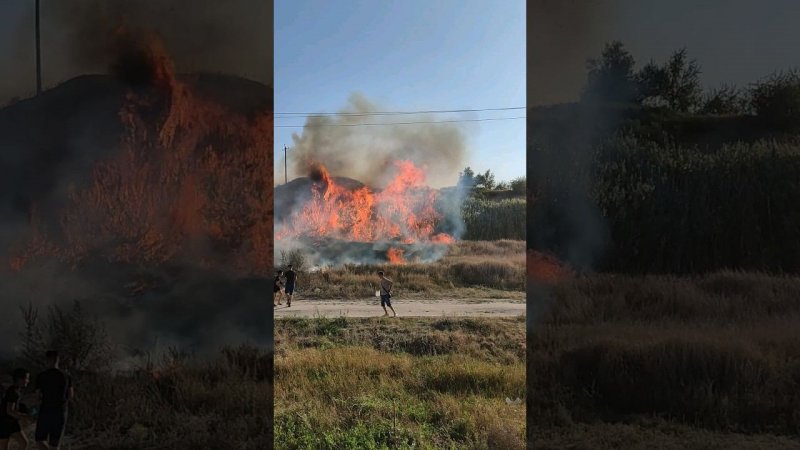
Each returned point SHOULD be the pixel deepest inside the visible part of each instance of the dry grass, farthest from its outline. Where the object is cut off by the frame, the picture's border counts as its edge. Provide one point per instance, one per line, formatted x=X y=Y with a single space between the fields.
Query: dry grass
x=417 y=383
x=471 y=269
x=618 y=361
x=182 y=402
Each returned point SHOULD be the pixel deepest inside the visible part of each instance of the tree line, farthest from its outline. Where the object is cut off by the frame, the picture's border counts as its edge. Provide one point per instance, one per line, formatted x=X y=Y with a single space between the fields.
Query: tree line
x=620 y=186
x=675 y=85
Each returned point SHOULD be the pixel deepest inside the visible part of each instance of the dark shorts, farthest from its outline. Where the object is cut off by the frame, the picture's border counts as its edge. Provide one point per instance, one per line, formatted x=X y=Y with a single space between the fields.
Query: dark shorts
x=289 y=288
x=50 y=427
x=276 y=289
x=8 y=427
x=386 y=300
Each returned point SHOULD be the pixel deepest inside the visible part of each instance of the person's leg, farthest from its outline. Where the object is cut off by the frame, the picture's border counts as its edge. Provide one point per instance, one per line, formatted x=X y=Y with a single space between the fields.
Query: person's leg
x=40 y=435
x=56 y=429
x=389 y=304
x=383 y=305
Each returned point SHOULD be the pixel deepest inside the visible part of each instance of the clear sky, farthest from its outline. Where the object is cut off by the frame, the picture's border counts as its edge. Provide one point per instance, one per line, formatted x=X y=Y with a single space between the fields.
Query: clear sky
x=408 y=56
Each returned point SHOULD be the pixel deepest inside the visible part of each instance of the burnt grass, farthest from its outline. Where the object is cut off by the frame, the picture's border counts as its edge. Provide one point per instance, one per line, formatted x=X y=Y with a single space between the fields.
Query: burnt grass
x=708 y=361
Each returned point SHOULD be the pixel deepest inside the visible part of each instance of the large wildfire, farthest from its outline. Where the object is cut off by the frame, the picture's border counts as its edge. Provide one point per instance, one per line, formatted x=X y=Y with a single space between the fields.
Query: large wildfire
x=191 y=181
x=142 y=188
x=401 y=218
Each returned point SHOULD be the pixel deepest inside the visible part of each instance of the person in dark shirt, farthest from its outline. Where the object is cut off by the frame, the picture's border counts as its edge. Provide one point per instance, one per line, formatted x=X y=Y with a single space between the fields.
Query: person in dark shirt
x=11 y=412
x=55 y=390
x=291 y=279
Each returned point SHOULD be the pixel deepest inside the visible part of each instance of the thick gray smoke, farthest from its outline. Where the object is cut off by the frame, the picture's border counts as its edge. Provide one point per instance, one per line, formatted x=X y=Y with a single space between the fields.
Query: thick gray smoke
x=561 y=35
x=232 y=37
x=562 y=218
x=367 y=153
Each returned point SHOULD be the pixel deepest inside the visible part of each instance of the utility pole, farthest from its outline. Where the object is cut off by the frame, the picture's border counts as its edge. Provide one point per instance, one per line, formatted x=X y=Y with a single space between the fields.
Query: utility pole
x=285 y=172
x=38 y=54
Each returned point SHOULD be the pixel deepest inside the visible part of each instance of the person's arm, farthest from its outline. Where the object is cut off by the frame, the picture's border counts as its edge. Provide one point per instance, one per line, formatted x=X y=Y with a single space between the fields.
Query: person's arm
x=11 y=410
x=70 y=389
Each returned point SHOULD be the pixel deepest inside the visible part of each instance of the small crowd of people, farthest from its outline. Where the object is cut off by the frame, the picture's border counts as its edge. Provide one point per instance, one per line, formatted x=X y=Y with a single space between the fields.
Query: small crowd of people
x=285 y=283
x=54 y=391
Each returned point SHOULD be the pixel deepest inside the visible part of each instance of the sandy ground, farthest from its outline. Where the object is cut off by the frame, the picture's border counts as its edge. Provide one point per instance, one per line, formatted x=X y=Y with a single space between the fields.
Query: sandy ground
x=404 y=308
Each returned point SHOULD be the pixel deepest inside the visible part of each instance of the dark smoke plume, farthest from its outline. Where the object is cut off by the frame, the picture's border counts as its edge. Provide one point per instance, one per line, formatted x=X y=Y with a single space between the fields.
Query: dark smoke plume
x=232 y=37
x=366 y=153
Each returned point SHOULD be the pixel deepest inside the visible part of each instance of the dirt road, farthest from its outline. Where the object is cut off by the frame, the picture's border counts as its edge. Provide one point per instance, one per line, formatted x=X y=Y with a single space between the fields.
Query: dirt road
x=405 y=308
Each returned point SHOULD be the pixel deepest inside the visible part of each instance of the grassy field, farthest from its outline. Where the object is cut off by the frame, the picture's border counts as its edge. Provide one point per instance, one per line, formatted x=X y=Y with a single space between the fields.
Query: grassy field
x=399 y=384
x=660 y=362
x=471 y=269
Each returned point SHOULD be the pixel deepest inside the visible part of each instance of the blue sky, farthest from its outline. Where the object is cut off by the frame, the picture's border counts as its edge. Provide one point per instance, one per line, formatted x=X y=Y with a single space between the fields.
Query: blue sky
x=408 y=56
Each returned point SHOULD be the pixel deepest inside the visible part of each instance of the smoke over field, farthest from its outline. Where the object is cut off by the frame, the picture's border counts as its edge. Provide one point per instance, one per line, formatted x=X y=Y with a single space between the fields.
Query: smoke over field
x=364 y=193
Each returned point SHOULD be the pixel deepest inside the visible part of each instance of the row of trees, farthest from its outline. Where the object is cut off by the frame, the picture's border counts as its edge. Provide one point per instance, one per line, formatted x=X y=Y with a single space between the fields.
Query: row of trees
x=675 y=84
x=486 y=182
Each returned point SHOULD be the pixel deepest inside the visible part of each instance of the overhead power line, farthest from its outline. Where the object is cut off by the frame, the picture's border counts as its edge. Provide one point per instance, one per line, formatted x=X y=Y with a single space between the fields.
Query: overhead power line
x=395 y=123
x=392 y=113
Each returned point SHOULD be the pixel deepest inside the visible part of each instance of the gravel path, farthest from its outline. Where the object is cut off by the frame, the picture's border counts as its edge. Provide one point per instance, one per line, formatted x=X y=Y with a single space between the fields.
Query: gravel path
x=404 y=308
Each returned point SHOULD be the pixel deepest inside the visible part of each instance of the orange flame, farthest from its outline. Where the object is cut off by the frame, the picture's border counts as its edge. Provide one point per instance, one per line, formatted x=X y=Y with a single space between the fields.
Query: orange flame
x=403 y=211
x=546 y=268
x=191 y=178
x=395 y=256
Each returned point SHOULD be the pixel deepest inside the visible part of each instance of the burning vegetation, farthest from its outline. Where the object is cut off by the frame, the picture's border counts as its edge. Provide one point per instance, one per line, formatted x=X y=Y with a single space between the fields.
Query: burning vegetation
x=395 y=220
x=190 y=182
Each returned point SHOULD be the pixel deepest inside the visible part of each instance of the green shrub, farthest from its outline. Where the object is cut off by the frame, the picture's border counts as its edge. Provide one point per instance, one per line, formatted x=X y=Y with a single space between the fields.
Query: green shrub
x=488 y=220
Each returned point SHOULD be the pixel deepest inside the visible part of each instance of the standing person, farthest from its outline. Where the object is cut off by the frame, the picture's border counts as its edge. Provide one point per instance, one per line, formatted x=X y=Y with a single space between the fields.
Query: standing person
x=11 y=412
x=291 y=278
x=55 y=390
x=277 y=288
x=386 y=294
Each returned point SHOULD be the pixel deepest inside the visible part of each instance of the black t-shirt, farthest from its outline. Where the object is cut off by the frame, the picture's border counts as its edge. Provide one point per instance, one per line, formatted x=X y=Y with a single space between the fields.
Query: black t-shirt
x=290 y=277
x=53 y=384
x=277 y=282
x=11 y=397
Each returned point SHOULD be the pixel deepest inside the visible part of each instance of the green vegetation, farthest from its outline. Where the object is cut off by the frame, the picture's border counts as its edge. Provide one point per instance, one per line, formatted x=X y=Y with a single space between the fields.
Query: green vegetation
x=672 y=208
x=646 y=175
x=666 y=362
x=416 y=383
x=488 y=220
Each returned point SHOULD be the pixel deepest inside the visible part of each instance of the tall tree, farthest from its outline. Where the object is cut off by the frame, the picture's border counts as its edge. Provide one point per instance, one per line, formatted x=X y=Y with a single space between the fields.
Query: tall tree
x=611 y=78
x=675 y=84
x=466 y=178
x=485 y=180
